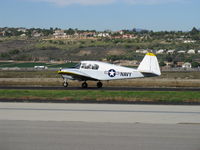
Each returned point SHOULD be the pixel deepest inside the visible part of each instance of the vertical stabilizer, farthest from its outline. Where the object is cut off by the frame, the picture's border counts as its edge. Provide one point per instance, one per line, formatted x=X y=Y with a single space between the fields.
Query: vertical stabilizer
x=149 y=65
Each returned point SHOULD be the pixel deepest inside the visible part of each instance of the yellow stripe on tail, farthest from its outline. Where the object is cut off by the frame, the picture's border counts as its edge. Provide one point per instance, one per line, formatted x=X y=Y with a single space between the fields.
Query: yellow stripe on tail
x=150 y=54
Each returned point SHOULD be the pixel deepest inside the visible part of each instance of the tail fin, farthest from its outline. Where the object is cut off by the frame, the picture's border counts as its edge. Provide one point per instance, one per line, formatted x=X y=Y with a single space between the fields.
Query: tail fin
x=149 y=65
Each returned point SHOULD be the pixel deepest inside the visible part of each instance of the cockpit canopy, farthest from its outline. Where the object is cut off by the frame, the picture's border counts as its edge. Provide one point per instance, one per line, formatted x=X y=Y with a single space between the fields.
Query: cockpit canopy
x=89 y=66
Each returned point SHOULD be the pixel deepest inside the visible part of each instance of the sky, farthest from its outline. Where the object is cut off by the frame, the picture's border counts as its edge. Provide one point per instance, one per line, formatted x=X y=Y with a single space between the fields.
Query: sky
x=100 y=15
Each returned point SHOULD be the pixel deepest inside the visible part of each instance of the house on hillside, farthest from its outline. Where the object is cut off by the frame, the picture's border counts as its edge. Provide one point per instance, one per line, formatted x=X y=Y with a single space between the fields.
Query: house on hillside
x=161 y=51
x=36 y=34
x=189 y=41
x=23 y=35
x=187 y=65
x=191 y=51
x=59 y=34
x=170 y=51
x=181 y=52
x=180 y=64
x=103 y=34
x=142 y=51
x=22 y=30
x=169 y=64
x=2 y=33
x=198 y=51
x=127 y=36
x=86 y=35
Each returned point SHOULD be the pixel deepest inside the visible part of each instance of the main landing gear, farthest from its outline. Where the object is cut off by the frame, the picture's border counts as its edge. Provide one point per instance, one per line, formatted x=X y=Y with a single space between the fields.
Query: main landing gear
x=84 y=84
x=99 y=84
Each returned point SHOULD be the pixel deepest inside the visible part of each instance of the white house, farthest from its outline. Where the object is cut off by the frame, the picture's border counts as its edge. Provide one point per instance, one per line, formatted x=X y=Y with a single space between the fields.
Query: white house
x=187 y=65
x=21 y=30
x=189 y=41
x=161 y=51
x=181 y=52
x=170 y=51
x=23 y=35
x=138 y=51
x=59 y=34
x=103 y=35
x=198 y=51
x=191 y=51
x=142 y=51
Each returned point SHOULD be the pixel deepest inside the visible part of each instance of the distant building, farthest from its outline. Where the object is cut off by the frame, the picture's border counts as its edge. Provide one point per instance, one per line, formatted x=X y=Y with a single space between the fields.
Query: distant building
x=161 y=51
x=23 y=35
x=187 y=65
x=127 y=36
x=40 y=67
x=120 y=32
x=189 y=41
x=181 y=52
x=191 y=51
x=2 y=33
x=198 y=51
x=59 y=34
x=180 y=64
x=36 y=34
x=142 y=51
x=87 y=34
x=22 y=30
x=103 y=34
x=169 y=64
x=170 y=51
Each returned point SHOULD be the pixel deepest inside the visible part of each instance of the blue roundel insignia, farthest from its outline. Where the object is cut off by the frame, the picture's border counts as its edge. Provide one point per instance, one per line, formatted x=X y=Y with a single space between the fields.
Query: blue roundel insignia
x=111 y=73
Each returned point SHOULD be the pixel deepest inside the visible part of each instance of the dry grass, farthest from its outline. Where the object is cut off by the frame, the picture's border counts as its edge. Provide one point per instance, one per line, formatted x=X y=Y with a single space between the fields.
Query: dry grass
x=148 y=82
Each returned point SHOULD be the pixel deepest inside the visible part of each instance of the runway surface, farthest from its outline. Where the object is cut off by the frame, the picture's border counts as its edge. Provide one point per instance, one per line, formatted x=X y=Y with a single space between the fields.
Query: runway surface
x=112 y=113
x=39 y=135
x=36 y=126
x=104 y=88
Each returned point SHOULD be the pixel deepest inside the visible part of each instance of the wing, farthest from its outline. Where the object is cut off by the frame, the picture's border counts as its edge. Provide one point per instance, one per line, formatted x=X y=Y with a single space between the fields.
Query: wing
x=76 y=75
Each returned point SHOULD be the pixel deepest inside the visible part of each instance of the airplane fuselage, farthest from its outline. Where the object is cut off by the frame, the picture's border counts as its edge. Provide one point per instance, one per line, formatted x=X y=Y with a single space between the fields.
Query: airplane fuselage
x=103 y=71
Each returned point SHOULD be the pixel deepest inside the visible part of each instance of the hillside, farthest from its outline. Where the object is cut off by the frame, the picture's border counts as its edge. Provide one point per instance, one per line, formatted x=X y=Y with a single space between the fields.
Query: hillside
x=75 y=45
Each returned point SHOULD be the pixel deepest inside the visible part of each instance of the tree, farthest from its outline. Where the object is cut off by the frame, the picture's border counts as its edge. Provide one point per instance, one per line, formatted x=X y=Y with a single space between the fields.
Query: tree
x=70 y=31
x=162 y=64
x=194 y=31
x=195 y=64
x=169 y=58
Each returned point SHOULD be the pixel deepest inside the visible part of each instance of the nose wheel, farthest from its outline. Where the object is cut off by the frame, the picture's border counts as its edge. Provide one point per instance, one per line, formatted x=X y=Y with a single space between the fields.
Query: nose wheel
x=65 y=84
x=84 y=85
x=99 y=84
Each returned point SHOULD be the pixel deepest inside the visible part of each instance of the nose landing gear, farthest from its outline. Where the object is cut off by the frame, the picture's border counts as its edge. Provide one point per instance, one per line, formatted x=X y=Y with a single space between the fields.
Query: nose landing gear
x=65 y=84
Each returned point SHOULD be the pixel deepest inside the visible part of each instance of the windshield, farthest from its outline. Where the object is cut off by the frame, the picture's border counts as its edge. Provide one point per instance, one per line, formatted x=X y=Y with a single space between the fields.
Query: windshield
x=77 y=66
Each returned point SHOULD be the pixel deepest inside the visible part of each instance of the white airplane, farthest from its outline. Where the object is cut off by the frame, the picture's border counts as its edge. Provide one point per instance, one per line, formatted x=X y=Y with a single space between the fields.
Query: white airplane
x=101 y=71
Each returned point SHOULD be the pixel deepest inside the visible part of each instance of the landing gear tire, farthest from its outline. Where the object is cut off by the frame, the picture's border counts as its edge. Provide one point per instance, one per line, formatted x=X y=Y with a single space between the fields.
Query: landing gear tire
x=99 y=84
x=65 y=84
x=84 y=85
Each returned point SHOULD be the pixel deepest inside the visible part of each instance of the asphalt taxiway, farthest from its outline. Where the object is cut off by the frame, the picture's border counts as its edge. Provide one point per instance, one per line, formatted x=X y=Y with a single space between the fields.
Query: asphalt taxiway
x=46 y=126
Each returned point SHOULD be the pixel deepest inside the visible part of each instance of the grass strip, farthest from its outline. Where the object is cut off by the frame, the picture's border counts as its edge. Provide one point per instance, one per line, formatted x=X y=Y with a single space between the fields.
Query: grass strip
x=101 y=95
